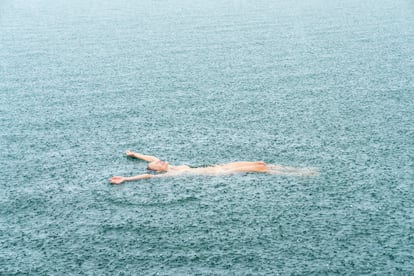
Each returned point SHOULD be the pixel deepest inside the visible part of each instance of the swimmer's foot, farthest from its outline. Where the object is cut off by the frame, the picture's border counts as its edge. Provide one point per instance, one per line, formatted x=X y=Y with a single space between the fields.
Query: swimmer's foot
x=309 y=172
x=290 y=171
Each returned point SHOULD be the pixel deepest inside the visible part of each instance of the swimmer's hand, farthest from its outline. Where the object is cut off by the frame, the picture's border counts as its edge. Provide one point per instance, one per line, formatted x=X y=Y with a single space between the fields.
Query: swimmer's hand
x=117 y=180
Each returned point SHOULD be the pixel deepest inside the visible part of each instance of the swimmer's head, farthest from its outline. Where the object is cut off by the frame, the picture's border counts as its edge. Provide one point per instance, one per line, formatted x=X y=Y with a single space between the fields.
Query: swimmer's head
x=158 y=166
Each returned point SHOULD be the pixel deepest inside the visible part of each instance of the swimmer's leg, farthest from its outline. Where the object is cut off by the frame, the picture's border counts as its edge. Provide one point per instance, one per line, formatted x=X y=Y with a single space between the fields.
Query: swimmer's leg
x=244 y=166
x=291 y=171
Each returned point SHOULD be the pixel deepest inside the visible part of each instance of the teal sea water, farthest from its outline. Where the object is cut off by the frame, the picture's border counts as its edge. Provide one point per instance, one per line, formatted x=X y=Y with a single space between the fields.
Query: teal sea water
x=326 y=84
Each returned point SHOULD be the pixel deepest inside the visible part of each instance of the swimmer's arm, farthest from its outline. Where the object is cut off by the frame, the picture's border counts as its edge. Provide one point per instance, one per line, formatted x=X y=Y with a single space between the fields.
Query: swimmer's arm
x=121 y=179
x=147 y=158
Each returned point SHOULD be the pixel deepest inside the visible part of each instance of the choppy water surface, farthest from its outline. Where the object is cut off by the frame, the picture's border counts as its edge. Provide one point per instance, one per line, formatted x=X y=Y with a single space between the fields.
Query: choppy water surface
x=327 y=84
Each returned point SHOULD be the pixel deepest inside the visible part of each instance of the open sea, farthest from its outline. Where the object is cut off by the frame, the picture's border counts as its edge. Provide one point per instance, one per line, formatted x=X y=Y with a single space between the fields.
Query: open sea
x=318 y=83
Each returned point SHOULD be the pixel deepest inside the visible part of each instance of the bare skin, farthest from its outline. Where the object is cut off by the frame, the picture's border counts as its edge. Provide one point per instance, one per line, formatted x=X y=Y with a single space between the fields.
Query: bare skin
x=167 y=170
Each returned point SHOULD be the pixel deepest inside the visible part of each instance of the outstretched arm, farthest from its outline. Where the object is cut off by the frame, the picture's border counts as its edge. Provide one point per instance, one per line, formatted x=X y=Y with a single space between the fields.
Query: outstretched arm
x=147 y=158
x=121 y=179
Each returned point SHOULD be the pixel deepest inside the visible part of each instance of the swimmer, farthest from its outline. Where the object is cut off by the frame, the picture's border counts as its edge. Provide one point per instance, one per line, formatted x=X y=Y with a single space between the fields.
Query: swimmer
x=164 y=169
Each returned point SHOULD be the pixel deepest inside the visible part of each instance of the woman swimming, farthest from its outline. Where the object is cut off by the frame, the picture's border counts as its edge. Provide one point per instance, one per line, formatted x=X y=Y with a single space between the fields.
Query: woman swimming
x=167 y=170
